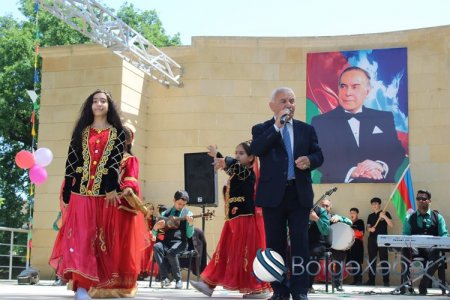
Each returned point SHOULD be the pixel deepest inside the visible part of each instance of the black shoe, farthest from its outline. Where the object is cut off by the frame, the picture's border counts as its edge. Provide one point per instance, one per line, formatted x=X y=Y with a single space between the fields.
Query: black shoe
x=400 y=291
x=386 y=284
x=299 y=297
x=280 y=297
x=422 y=290
x=339 y=288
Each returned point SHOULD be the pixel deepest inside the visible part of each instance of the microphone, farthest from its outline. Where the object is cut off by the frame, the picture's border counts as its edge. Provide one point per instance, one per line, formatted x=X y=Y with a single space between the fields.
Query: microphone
x=284 y=117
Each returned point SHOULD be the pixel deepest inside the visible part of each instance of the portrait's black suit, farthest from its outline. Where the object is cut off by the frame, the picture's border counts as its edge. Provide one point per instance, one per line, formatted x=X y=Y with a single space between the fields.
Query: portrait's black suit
x=286 y=204
x=377 y=141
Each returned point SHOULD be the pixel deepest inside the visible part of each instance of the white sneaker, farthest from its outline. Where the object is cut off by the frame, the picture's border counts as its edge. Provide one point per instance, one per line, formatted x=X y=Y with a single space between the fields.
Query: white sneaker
x=82 y=294
x=202 y=287
x=165 y=282
x=179 y=285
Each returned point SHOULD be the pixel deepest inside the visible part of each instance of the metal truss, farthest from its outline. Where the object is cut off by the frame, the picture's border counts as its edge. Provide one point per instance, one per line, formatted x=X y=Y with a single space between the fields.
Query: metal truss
x=99 y=24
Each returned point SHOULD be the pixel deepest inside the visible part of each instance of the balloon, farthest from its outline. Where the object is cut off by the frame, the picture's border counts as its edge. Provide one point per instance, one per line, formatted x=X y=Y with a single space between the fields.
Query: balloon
x=269 y=266
x=24 y=159
x=43 y=157
x=38 y=174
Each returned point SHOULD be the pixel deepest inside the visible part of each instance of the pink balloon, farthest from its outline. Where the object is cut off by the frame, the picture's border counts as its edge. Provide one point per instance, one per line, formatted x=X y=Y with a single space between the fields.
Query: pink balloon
x=38 y=174
x=24 y=159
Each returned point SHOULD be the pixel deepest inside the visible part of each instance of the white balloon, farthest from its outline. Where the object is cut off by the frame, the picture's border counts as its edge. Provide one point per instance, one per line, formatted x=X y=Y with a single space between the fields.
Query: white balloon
x=268 y=271
x=43 y=157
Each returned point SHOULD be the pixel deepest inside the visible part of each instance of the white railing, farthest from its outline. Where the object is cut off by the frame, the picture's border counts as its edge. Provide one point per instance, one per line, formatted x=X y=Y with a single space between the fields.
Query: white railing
x=12 y=250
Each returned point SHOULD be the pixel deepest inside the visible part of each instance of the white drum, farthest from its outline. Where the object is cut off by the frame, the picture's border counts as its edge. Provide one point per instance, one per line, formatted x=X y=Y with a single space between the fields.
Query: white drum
x=341 y=236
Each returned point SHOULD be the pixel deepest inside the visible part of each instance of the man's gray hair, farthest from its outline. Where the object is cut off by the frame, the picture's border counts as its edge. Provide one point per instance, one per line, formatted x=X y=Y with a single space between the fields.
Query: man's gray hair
x=278 y=90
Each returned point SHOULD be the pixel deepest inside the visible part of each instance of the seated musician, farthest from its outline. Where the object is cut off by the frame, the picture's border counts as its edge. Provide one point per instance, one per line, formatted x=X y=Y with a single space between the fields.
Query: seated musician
x=319 y=227
x=175 y=240
x=424 y=221
x=337 y=255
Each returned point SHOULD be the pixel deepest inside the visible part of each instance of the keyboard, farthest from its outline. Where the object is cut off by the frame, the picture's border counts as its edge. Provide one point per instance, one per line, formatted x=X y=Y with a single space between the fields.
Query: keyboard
x=417 y=241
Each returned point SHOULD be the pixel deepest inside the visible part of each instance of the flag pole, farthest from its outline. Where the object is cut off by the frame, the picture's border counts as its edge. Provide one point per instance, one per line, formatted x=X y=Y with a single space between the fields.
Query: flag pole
x=392 y=194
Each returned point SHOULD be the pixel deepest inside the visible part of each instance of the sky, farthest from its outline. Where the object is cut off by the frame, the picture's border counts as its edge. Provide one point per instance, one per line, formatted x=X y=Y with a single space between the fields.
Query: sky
x=284 y=18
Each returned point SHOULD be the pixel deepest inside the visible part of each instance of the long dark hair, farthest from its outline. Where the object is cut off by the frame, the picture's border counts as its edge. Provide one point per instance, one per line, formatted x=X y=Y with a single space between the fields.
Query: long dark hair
x=128 y=139
x=87 y=117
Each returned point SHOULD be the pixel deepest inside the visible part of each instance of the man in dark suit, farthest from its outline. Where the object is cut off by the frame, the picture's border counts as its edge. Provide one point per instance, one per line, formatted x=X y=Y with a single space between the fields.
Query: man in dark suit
x=288 y=150
x=360 y=143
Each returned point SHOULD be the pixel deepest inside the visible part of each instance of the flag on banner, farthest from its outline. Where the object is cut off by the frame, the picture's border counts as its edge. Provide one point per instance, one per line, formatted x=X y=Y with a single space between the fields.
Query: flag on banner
x=403 y=195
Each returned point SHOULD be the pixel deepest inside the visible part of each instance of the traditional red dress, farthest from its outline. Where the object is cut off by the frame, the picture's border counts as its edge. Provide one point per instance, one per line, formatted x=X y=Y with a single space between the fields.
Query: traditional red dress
x=147 y=258
x=231 y=265
x=84 y=247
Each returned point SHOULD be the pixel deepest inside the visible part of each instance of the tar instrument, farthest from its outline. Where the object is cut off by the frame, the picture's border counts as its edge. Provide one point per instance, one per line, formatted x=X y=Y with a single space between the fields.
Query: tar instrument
x=173 y=222
x=341 y=236
x=327 y=193
x=133 y=204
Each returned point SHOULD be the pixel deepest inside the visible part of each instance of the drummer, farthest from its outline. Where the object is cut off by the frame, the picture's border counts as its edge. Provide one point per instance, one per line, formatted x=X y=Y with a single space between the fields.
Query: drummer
x=337 y=255
x=319 y=227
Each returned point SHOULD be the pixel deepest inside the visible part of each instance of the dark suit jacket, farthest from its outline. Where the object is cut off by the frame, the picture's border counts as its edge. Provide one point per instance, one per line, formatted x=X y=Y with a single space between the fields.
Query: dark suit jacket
x=269 y=147
x=377 y=141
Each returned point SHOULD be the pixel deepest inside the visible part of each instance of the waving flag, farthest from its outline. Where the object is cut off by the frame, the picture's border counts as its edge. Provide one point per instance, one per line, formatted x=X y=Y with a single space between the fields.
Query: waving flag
x=403 y=195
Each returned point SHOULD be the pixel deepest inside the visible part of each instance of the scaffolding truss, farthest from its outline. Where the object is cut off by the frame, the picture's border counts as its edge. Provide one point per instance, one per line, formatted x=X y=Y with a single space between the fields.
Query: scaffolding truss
x=99 y=24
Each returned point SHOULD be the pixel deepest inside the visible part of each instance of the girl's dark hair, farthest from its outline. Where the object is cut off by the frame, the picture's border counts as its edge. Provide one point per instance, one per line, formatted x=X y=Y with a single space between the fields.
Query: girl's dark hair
x=128 y=138
x=87 y=117
x=246 y=146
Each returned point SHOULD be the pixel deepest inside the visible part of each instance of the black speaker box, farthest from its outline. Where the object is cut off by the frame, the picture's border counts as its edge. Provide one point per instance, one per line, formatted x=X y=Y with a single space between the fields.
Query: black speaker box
x=200 y=180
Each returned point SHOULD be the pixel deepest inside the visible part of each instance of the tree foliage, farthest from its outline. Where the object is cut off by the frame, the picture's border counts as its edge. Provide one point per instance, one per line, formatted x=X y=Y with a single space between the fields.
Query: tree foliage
x=17 y=55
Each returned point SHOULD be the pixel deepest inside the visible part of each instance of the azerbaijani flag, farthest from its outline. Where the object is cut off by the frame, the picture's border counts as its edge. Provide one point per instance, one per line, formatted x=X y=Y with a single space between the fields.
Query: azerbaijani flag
x=403 y=195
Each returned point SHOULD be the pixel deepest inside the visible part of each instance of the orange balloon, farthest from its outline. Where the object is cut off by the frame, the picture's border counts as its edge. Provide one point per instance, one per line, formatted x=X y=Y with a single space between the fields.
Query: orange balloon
x=24 y=159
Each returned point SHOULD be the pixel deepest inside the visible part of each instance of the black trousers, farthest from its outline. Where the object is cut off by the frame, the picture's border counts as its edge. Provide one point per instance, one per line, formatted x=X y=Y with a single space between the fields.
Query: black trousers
x=373 y=250
x=429 y=255
x=355 y=257
x=296 y=217
x=317 y=251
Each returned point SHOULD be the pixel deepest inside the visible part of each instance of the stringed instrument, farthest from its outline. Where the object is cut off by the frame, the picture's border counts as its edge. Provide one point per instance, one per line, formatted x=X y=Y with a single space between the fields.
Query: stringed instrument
x=173 y=222
x=327 y=193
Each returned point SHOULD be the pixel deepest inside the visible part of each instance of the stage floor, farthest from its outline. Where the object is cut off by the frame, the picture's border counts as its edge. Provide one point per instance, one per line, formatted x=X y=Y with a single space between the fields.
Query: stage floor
x=44 y=290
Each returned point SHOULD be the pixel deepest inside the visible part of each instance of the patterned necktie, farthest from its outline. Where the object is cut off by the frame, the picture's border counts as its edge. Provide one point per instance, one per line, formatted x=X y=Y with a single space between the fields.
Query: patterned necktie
x=287 y=144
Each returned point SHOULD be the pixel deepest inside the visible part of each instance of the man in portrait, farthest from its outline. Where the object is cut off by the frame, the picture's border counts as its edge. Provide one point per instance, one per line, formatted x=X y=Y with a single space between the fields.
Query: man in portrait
x=359 y=144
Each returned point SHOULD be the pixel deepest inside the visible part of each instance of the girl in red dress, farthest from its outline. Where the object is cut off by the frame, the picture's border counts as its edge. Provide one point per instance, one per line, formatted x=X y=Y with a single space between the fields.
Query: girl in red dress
x=128 y=226
x=231 y=265
x=84 y=243
x=146 y=260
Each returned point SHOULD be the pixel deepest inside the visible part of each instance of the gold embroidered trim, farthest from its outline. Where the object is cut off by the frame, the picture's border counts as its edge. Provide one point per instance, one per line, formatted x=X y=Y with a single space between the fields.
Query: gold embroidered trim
x=236 y=199
x=84 y=170
x=101 y=238
x=101 y=170
x=245 y=259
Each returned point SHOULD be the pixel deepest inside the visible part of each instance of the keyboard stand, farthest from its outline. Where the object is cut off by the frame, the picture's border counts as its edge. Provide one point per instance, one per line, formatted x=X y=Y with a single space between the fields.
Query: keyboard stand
x=409 y=282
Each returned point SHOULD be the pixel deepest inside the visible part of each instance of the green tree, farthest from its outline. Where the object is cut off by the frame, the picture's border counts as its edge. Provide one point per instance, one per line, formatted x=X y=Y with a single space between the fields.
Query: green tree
x=17 y=52
x=148 y=24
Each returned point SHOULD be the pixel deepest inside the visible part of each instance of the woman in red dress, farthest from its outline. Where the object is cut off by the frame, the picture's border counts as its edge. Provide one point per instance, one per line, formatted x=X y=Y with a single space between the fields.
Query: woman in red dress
x=231 y=265
x=85 y=244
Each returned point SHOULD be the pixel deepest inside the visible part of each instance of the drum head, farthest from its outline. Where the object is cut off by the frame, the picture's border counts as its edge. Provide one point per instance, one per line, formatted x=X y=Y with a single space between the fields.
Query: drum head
x=341 y=236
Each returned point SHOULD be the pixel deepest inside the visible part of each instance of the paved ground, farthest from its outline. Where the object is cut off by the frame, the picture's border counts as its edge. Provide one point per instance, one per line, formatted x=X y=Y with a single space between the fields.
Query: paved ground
x=44 y=290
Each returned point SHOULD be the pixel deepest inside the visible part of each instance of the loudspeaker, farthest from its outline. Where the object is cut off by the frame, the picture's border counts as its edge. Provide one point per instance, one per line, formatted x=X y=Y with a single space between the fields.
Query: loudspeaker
x=200 y=180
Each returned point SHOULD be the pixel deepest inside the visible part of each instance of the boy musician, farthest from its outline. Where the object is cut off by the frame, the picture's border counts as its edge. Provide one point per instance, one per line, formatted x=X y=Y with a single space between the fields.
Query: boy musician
x=175 y=240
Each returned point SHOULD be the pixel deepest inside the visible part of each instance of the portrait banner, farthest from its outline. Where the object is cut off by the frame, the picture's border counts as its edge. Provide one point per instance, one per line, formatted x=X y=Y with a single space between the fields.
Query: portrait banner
x=357 y=102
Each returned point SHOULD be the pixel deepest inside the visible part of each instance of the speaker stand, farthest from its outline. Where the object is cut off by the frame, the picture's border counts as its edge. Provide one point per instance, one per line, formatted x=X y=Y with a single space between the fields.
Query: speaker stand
x=203 y=219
